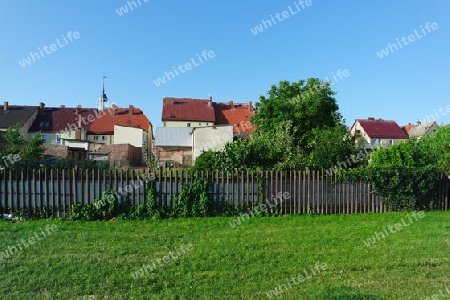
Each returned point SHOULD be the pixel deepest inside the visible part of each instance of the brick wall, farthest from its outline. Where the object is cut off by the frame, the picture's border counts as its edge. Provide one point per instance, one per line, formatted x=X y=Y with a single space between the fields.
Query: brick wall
x=123 y=152
x=56 y=150
x=181 y=156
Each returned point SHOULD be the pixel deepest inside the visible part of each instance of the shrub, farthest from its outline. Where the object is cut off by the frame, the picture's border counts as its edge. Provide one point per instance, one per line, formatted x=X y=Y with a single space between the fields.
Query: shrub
x=193 y=201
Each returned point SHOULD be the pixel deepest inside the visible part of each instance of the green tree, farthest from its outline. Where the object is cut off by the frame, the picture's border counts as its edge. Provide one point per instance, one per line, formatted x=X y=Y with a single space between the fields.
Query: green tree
x=14 y=140
x=308 y=104
x=435 y=149
x=34 y=149
x=316 y=137
x=31 y=151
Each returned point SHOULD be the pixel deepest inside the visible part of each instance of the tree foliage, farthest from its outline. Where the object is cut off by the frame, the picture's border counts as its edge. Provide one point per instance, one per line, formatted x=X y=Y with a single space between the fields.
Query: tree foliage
x=309 y=104
x=31 y=152
x=298 y=126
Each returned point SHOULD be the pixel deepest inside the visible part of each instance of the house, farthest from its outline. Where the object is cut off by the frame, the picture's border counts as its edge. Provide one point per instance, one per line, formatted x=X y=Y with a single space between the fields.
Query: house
x=420 y=129
x=64 y=130
x=173 y=146
x=378 y=132
x=102 y=133
x=180 y=146
x=236 y=114
x=12 y=115
x=186 y=112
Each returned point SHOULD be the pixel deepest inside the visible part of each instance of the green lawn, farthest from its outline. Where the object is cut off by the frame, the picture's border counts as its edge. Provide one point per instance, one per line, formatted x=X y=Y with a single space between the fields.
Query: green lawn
x=210 y=259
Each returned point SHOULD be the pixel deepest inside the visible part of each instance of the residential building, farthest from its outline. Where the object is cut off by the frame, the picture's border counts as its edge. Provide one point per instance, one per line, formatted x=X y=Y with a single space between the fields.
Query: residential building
x=95 y=133
x=236 y=114
x=420 y=129
x=186 y=112
x=64 y=126
x=173 y=146
x=12 y=115
x=378 y=132
x=120 y=126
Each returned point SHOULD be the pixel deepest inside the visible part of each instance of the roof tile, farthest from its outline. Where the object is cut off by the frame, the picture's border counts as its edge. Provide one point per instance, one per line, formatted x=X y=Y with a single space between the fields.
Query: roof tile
x=186 y=109
x=382 y=129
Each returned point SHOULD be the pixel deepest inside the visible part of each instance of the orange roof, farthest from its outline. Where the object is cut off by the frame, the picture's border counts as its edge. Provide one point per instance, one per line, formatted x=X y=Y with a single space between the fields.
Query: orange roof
x=408 y=127
x=104 y=124
x=236 y=114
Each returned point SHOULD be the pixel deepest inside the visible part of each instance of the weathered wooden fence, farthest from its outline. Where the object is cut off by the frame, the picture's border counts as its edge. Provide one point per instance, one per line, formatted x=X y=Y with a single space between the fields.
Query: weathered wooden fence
x=293 y=192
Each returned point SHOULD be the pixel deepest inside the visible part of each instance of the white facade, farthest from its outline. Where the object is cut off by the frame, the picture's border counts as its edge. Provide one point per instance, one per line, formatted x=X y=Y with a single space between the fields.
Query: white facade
x=129 y=135
x=211 y=138
x=357 y=129
x=187 y=124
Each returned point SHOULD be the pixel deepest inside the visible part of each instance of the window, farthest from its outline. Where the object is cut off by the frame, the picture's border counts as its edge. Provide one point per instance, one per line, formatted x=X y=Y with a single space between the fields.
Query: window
x=44 y=138
x=95 y=137
x=199 y=124
x=103 y=137
x=188 y=124
x=58 y=138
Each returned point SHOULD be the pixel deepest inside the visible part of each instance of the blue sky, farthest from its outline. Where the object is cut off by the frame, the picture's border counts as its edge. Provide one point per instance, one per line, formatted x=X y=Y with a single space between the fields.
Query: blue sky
x=137 y=48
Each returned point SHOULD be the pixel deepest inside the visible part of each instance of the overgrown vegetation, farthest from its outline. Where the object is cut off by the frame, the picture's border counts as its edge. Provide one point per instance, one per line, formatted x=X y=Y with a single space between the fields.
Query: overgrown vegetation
x=193 y=201
x=406 y=174
x=20 y=153
x=298 y=126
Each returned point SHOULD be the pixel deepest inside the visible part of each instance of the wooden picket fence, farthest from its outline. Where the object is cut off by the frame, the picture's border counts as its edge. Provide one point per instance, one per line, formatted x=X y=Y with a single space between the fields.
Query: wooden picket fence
x=292 y=192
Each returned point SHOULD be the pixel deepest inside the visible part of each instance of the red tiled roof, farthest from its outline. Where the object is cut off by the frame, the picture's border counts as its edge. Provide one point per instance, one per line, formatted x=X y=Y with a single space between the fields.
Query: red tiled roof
x=236 y=114
x=185 y=109
x=56 y=119
x=382 y=129
x=105 y=123
x=408 y=127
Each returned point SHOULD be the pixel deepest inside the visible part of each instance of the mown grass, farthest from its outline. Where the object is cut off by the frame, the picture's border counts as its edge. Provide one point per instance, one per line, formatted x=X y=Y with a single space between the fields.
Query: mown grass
x=96 y=260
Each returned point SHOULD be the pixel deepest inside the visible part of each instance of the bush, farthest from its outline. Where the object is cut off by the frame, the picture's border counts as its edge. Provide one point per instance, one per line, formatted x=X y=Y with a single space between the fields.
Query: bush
x=402 y=189
x=193 y=201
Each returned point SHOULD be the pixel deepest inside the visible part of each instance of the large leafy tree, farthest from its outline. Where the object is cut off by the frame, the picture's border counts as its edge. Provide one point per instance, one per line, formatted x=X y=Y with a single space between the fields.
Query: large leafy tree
x=317 y=134
x=309 y=104
x=30 y=152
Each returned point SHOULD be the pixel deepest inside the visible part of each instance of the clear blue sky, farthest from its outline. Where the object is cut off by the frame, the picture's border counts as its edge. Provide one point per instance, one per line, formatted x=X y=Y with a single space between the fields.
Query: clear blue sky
x=135 y=49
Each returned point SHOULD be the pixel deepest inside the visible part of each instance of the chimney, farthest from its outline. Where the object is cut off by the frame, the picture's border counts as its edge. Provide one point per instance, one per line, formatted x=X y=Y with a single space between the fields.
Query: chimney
x=210 y=101
x=250 y=106
x=113 y=111
x=131 y=110
x=41 y=105
x=5 y=106
x=231 y=104
x=78 y=110
x=78 y=134
x=371 y=119
x=63 y=106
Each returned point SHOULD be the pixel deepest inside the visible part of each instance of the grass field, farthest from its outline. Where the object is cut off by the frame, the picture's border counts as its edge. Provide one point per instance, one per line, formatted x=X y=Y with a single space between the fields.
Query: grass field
x=209 y=259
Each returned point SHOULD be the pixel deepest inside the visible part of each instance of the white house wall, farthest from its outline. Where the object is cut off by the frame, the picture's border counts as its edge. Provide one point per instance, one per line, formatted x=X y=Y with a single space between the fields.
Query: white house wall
x=128 y=135
x=211 y=138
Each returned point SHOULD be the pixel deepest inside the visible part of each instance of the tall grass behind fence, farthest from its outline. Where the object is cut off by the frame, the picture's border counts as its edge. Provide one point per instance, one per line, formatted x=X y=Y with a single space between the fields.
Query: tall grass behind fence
x=308 y=191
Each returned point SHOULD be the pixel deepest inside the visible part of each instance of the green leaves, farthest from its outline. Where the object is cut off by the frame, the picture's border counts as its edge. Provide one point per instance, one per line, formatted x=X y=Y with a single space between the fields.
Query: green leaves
x=193 y=201
x=31 y=151
x=298 y=126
